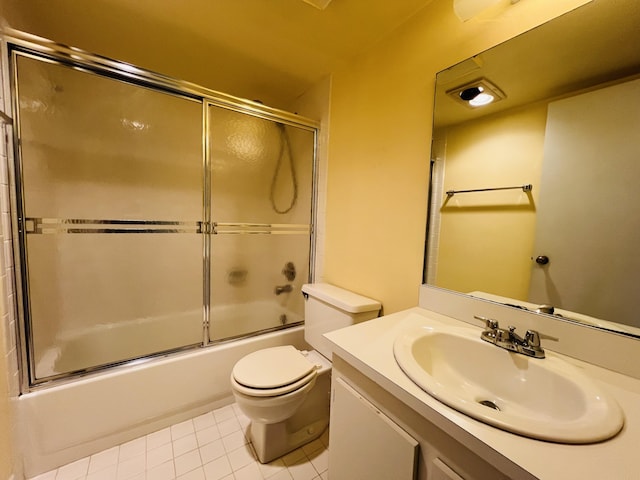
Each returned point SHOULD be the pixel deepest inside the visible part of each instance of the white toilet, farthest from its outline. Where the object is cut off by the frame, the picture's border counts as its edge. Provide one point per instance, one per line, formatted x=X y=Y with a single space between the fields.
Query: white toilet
x=285 y=391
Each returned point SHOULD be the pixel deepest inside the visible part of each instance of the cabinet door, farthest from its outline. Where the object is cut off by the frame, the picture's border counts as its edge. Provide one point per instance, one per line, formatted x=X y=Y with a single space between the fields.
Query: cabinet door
x=441 y=471
x=365 y=443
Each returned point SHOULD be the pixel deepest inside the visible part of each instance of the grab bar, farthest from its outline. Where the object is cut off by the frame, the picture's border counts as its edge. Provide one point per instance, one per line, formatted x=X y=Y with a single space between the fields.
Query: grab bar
x=524 y=188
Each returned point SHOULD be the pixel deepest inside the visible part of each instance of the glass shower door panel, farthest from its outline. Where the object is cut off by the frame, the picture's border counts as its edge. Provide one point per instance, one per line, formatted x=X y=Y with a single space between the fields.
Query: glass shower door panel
x=98 y=148
x=247 y=281
x=101 y=299
x=261 y=204
x=112 y=181
x=261 y=170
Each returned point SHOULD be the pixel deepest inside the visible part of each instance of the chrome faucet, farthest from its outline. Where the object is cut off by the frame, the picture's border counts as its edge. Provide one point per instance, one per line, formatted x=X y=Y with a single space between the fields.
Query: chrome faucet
x=510 y=340
x=282 y=289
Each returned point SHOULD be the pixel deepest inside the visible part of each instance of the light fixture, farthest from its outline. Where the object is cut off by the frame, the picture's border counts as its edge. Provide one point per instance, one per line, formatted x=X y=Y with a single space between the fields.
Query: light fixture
x=467 y=9
x=482 y=99
x=478 y=93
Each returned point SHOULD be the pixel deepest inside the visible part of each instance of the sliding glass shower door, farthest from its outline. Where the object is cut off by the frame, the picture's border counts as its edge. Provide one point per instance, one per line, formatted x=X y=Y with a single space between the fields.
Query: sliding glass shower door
x=261 y=185
x=112 y=194
x=150 y=219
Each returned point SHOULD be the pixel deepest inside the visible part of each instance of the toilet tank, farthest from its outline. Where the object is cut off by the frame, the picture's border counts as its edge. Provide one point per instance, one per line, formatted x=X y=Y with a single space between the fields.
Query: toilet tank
x=328 y=308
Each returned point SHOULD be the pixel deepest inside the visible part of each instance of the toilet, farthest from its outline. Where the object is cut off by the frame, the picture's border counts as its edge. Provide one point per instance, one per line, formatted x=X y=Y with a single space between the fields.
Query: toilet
x=285 y=391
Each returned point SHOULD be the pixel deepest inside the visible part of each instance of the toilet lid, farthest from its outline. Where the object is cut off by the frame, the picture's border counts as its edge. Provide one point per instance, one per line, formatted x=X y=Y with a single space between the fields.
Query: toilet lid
x=271 y=368
x=274 y=392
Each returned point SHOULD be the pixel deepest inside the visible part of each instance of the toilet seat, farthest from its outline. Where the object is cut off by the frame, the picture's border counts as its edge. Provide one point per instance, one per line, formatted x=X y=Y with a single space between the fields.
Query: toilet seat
x=272 y=392
x=272 y=372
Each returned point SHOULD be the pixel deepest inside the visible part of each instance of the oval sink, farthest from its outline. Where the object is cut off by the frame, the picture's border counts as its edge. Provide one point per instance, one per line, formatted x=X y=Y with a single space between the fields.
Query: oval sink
x=546 y=399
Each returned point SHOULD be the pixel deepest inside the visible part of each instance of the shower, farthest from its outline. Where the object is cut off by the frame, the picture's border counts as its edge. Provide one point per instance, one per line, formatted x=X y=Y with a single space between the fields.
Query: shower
x=285 y=151
x=147 y=220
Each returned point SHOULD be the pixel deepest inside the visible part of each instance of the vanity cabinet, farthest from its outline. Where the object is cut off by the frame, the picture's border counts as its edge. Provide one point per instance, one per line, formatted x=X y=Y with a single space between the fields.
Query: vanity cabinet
x=375 y=436
x=365 y=443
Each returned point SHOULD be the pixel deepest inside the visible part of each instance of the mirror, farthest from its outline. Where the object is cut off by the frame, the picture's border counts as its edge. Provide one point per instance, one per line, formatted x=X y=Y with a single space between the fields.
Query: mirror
x=533 y=197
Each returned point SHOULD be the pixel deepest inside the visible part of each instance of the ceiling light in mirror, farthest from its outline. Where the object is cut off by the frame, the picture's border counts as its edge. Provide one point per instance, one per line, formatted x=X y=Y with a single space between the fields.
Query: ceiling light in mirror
x=478 y=93
x=482 y=100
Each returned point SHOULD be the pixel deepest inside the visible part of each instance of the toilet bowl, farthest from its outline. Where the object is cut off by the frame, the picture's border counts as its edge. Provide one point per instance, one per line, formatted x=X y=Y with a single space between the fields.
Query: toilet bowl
x=285 y=391
x=287 y=416
x=273 y=382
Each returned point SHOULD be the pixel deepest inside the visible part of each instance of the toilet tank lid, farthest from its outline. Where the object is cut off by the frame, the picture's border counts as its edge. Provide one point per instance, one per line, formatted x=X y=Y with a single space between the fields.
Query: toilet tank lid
x=340 y=298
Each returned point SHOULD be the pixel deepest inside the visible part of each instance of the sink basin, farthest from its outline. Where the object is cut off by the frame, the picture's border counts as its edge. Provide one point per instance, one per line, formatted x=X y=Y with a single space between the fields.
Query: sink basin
x=546 y=399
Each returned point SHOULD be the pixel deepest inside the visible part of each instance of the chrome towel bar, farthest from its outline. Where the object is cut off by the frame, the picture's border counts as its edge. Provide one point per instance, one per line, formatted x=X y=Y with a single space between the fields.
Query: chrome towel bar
x=524 y=188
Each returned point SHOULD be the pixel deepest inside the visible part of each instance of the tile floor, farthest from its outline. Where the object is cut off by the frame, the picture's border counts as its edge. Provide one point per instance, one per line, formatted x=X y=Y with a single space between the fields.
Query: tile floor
x=212 y=446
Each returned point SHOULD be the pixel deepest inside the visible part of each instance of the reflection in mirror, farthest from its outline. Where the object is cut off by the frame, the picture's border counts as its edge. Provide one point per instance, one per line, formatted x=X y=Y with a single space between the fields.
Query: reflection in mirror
x=565 y=120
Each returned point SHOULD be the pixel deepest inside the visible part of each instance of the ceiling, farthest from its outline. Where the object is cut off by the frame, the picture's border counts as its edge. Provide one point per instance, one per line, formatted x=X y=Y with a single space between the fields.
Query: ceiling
x=272 y=50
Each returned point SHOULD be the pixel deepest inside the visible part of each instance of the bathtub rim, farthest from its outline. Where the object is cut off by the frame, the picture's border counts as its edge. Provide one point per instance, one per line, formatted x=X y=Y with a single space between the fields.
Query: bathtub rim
x=115 y=367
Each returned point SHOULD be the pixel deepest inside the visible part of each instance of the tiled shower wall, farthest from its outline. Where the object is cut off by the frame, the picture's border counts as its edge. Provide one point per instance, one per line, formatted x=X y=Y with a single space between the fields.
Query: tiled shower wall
x=6 y=254
x=315 y=104
x=10 y=381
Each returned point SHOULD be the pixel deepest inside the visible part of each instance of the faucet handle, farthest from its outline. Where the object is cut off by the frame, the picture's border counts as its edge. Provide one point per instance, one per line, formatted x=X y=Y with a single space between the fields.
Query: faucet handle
x=489 y=323
x=532 y=338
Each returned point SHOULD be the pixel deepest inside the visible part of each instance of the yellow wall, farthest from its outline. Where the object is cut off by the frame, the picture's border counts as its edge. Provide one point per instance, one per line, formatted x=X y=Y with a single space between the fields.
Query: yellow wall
x=486 y=239
x=379 y=142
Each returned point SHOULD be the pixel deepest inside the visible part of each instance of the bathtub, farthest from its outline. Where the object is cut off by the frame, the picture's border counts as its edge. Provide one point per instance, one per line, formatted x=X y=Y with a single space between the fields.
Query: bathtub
x=96 y=345
x=67 y=422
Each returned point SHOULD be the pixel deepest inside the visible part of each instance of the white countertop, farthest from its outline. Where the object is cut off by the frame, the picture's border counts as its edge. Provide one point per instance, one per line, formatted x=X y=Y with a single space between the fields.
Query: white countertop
x=368 y=346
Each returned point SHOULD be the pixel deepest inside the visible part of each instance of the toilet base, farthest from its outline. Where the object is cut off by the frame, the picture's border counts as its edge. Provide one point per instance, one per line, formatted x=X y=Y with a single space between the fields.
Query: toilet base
x=274 y=440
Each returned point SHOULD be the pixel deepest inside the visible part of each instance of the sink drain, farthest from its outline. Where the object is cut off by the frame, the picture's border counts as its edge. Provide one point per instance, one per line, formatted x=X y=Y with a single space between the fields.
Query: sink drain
x=489 y=403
